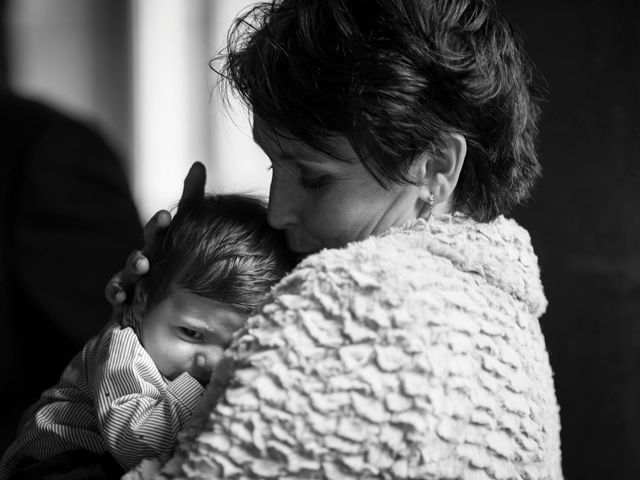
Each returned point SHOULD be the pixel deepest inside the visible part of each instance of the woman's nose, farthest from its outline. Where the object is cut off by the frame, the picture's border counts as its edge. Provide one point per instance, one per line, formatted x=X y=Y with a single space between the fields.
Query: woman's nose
x=283 y=201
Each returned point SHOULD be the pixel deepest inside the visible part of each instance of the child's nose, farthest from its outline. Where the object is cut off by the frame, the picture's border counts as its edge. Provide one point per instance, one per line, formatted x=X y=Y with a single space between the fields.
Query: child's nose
x=205 y=361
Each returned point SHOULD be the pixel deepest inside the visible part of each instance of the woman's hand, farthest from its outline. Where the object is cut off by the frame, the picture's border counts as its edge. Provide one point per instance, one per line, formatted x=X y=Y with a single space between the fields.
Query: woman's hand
x=121 y=284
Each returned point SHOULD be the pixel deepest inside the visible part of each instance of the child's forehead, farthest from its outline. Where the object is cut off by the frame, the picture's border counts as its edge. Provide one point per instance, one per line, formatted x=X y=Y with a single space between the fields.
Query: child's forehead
x=205 y=311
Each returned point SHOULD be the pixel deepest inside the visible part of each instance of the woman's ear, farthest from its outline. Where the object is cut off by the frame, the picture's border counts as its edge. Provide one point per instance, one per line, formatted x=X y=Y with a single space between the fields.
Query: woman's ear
x=438 y=173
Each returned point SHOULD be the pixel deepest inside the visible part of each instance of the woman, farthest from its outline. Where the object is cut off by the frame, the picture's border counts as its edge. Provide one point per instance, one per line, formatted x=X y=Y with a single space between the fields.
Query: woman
x=407 y=343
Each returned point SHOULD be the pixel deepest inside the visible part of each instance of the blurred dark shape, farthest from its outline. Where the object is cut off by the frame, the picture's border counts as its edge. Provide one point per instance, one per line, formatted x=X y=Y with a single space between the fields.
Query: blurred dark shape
x=3 y=42
x=74 y=465
x=585 y=223
x=67 y=223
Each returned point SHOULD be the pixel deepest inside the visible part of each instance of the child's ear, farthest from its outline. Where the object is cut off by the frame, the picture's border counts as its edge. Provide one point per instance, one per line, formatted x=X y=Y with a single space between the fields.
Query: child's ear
x=139 y=302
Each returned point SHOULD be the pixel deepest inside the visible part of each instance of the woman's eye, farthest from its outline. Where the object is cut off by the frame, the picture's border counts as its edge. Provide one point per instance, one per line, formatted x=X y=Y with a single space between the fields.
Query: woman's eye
x=191 y=334
x=313 y=183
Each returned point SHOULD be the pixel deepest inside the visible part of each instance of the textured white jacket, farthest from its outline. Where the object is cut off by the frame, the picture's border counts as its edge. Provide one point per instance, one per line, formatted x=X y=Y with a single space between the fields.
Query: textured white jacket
x=415 y=355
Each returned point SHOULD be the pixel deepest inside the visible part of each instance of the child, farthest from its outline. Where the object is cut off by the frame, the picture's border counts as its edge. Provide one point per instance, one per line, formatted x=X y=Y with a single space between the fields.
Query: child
x=133 y=386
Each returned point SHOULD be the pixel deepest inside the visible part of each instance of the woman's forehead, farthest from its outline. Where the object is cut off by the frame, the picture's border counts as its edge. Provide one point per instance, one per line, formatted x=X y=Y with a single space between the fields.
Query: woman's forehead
x=277 y=138
x=282 y=146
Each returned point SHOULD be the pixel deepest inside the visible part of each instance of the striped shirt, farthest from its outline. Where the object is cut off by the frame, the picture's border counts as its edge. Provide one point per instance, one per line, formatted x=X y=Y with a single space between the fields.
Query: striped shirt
x=111 y=397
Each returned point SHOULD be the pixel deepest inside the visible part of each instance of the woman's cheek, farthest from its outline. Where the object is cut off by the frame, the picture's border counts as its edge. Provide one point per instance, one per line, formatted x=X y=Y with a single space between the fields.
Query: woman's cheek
x=326 y=223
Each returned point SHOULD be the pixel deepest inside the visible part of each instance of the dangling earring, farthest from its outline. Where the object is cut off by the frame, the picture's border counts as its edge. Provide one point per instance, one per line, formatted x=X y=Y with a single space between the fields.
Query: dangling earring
x=431 y=201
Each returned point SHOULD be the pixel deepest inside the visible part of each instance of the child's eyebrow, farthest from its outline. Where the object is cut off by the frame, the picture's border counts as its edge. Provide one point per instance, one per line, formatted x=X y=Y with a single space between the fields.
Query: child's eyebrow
x=224 y=323
x=199 y=325
x=218 y=335
x=221 y=328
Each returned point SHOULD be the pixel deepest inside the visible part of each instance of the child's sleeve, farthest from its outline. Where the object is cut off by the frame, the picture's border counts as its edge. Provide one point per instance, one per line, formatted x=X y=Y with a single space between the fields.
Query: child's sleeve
x=139 y=414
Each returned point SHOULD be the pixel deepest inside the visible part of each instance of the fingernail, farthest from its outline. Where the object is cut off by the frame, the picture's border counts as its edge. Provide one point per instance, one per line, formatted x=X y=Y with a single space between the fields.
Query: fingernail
x=137 y=264
x=201 y=361
x=117 y=293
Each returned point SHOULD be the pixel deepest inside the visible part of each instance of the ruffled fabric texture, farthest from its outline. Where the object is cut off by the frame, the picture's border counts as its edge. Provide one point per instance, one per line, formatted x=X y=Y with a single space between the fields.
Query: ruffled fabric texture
x=414 y=355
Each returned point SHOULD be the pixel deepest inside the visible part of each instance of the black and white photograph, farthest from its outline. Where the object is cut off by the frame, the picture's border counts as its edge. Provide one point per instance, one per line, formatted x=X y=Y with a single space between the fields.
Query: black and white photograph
x=320 y=239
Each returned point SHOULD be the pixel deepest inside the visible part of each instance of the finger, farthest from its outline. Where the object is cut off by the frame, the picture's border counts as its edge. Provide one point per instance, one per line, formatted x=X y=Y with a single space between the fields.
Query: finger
x=194 y=182
x=223 y=373
x=123 y=281
x=154 y=228
x=137 y=265
x=201 y=360
x=114 y=292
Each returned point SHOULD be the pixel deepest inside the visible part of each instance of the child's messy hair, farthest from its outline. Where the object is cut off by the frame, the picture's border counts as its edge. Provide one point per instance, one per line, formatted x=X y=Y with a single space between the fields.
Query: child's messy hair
x=222 y=248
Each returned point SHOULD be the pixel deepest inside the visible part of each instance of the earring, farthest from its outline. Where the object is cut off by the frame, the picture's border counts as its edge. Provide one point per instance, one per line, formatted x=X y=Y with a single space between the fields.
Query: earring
x=430 y=201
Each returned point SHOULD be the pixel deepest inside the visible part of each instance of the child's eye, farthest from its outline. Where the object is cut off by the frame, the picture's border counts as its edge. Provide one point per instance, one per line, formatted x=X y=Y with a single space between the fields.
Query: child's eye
x=191 y=334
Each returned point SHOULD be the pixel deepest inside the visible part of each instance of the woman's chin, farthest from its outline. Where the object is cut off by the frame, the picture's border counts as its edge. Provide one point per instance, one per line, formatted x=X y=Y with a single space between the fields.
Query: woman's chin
x=302 y=247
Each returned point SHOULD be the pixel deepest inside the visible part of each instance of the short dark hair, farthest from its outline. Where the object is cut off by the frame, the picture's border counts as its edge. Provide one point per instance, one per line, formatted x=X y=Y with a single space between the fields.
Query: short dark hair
x=394 y=76
x=220 y=247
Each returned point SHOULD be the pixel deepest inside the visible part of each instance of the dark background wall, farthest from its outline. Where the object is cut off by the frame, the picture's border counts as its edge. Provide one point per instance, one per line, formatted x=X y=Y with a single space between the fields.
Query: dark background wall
x=67 y=221
x=3 y=43
x=585 y=223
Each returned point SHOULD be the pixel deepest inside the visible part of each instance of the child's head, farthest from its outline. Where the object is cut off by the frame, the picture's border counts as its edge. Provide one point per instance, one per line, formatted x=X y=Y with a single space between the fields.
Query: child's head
x=216 y=262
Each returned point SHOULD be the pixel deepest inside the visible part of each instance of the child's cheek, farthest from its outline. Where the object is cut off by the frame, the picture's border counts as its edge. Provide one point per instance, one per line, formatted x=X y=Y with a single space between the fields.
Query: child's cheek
x=174 y=358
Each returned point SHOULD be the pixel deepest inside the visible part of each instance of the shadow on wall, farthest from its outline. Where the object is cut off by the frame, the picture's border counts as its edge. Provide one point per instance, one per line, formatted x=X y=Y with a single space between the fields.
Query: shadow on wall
x=67 y=222
x=4 y=74
x=585 y=224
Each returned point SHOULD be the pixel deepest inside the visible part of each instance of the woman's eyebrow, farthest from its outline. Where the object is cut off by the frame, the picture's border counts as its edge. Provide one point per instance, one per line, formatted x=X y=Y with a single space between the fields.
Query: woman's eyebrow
x=294 y=160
